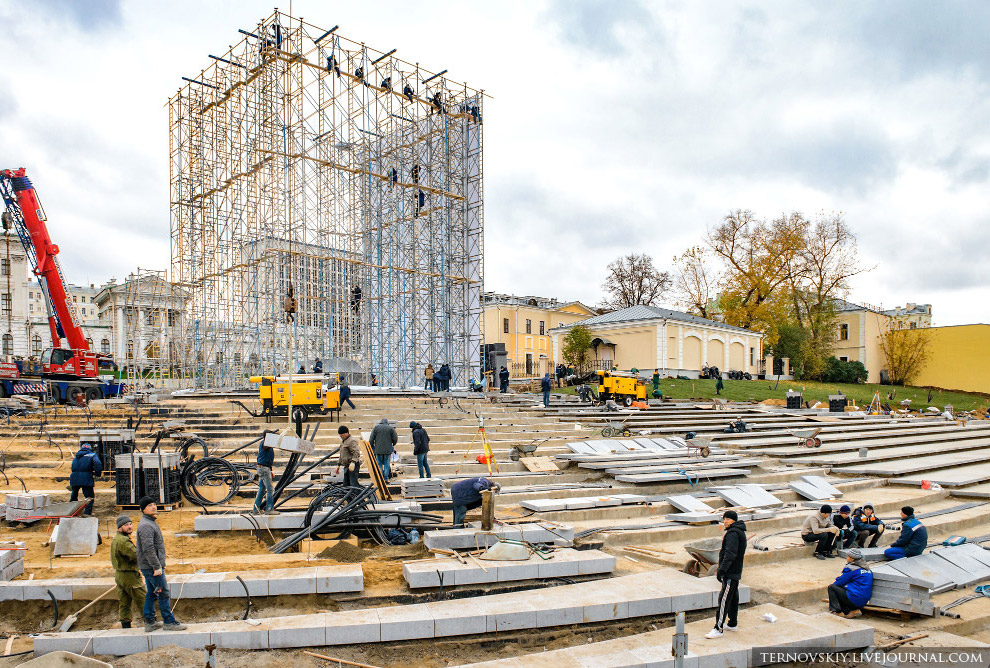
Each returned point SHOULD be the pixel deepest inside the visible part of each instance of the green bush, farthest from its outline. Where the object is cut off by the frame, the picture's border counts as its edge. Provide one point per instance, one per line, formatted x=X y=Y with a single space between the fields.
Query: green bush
x=838 y=371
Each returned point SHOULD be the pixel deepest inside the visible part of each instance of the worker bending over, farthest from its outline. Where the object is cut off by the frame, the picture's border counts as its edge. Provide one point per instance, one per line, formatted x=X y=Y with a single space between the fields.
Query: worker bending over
x=123 y=557
x=466 y=495
x=86 y=465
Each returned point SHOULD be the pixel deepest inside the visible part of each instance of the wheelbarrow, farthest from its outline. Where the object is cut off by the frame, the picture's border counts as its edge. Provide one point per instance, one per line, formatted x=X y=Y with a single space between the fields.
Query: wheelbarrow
x=519 y=451
x=701 y=444
x=807 y=437
x=705 y=556
x=616 y=429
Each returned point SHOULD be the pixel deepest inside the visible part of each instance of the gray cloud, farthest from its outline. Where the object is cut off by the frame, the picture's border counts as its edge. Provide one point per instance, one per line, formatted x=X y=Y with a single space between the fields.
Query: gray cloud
x=90 y=16
x=600 y=25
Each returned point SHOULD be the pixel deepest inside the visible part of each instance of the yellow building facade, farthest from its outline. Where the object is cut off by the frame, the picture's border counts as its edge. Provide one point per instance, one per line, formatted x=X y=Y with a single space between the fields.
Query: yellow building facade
x=676 y=343
x=959 y=359
x=858 y=337
x=523 y=325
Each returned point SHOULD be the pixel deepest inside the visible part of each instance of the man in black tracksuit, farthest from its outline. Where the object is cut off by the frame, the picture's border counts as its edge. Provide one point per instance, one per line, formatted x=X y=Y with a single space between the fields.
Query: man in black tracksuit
x=730 y=566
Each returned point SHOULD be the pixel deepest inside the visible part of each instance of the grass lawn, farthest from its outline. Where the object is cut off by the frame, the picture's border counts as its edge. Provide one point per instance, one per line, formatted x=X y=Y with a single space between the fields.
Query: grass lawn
x=758 y=390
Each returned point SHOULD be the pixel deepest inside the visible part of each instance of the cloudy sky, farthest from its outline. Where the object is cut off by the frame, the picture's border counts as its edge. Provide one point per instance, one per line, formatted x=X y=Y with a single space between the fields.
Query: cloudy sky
x=614 y=126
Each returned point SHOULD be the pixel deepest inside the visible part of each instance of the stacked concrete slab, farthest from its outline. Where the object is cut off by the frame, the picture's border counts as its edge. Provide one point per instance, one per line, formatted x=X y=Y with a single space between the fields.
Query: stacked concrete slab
x=473 y=537
x=792 y=630
x=659 y=592
x=582 y=502
x=449 y=572
x=11 y=561
x=28 y=504
x=422 y=488
x=275 y=582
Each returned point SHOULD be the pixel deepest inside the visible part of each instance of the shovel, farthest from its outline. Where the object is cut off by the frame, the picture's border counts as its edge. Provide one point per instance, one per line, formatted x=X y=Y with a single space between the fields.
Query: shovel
x=71 y=619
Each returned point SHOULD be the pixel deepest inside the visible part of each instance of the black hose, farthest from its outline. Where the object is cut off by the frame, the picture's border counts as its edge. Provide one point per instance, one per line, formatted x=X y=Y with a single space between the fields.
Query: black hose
x=209 y=471
x=247 y=610
x=55 y=603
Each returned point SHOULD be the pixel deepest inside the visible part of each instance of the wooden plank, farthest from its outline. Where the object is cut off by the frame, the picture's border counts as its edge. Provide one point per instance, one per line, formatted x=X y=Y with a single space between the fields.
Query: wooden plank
x=539 y=464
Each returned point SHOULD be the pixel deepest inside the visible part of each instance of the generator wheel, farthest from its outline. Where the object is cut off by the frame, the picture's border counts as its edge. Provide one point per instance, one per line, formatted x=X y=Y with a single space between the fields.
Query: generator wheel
x=627 y=401
x=299 y=414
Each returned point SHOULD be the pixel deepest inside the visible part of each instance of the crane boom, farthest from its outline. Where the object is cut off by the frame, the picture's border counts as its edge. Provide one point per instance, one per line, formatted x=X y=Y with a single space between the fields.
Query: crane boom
x=28 y=217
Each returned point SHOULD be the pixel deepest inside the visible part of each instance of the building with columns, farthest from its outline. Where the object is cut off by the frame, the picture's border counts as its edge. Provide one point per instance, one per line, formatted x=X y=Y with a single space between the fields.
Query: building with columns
x=676 y=343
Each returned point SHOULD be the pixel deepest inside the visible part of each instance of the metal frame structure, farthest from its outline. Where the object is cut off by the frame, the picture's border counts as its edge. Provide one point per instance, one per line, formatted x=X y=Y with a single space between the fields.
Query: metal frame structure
x=301 y=158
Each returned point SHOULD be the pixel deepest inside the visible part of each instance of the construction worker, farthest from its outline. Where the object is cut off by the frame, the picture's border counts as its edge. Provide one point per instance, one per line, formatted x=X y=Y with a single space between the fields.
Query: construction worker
x=123 y=557
x=866 y=524
x=421 y=446
x=318 y=366
x=503 y=380
x=350 y=456
x=266 y=491
x=85 y=467
x=913 y=539
x=657 y=394
x=151 y=562
x=853 y=588
x=818 y=528
x=730 y=567
x=383 y=439
x=345 y=394
x=466 y=495
x=843 y=522
x=429 y=373
x=719 y=385
x=545 y=386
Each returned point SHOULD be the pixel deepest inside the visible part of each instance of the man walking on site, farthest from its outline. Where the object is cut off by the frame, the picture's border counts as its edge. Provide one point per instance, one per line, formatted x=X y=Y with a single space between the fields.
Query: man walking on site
x=266 y=491
x=345 y=394
x=123 y=557
x=383 y=439
x=730 y=567
x=151 y=562
x=350 y=456
x=545 y=386
x=421 y=447
x=85 y=467
x=503 y=380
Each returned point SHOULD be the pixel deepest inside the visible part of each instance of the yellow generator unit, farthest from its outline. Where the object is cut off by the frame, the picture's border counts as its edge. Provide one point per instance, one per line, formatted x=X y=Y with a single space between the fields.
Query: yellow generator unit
x=320 y=395
x=620 y=387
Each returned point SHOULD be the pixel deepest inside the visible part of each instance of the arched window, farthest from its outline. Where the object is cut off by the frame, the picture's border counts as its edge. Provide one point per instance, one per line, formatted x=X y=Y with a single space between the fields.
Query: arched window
x=36 y=345
x=105 y=346
x=8 y=344
x=89 y=342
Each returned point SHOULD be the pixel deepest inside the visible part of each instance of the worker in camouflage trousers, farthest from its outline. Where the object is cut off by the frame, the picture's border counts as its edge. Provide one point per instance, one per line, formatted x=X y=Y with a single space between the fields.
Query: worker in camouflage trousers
x=130 y=584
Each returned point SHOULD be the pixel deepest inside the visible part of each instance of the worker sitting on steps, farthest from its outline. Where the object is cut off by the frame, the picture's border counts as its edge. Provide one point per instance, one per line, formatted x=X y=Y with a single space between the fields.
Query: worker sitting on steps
x=913 y=539
x=818 y=528
x=843 y=522
x=85 y=467
x=266 y=491
x=123 y=557
x=350 y=456
x=866 y=524
x=466 y=495
x=853 y=588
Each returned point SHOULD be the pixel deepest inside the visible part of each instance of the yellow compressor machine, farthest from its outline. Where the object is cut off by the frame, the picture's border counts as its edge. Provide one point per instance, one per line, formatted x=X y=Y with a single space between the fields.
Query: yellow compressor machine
x=621 y=387
x=319 y=395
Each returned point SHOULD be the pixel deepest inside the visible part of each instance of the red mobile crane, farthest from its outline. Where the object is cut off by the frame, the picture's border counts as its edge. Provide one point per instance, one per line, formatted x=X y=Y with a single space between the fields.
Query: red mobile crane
x=74 y=370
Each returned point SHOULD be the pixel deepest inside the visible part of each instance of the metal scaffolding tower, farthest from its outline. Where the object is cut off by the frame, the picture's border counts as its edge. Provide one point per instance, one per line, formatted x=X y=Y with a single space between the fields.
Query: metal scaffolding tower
x=301 y=158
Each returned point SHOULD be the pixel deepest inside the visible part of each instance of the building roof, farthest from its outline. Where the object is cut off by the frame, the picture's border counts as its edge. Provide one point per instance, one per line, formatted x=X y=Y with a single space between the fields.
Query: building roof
x=531 y=301
x=642 y=312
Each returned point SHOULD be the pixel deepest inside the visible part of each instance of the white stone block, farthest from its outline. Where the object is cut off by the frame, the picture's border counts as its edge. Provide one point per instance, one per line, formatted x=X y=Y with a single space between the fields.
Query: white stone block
x=196 y=585
x=512 y=571
x=214 y=522
x=11 y=554
x=78 y=643
x=12 y=571
x=471 y=573
x=241 y=634
x=580 y=503
x=508 y=615
x=353 y=627
x=406 y=622
x=457 y=618
x=558 y=568
x=257 y=585
x=121 y=642
x=603 y=612
x=298 y=631
x=338 y=579
x=10 y=591
x=197 y=636
x=291 y=581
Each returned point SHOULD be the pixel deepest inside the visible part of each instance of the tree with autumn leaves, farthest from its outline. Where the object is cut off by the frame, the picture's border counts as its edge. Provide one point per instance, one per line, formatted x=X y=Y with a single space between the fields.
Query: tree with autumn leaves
x=776 y=276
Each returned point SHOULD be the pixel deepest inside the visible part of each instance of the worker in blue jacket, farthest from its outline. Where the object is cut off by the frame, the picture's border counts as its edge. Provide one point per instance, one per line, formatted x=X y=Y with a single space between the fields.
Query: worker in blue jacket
x=86 y=465
x=853 y=588
x=913 y=539
x=466 y=495
x=867 y=526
